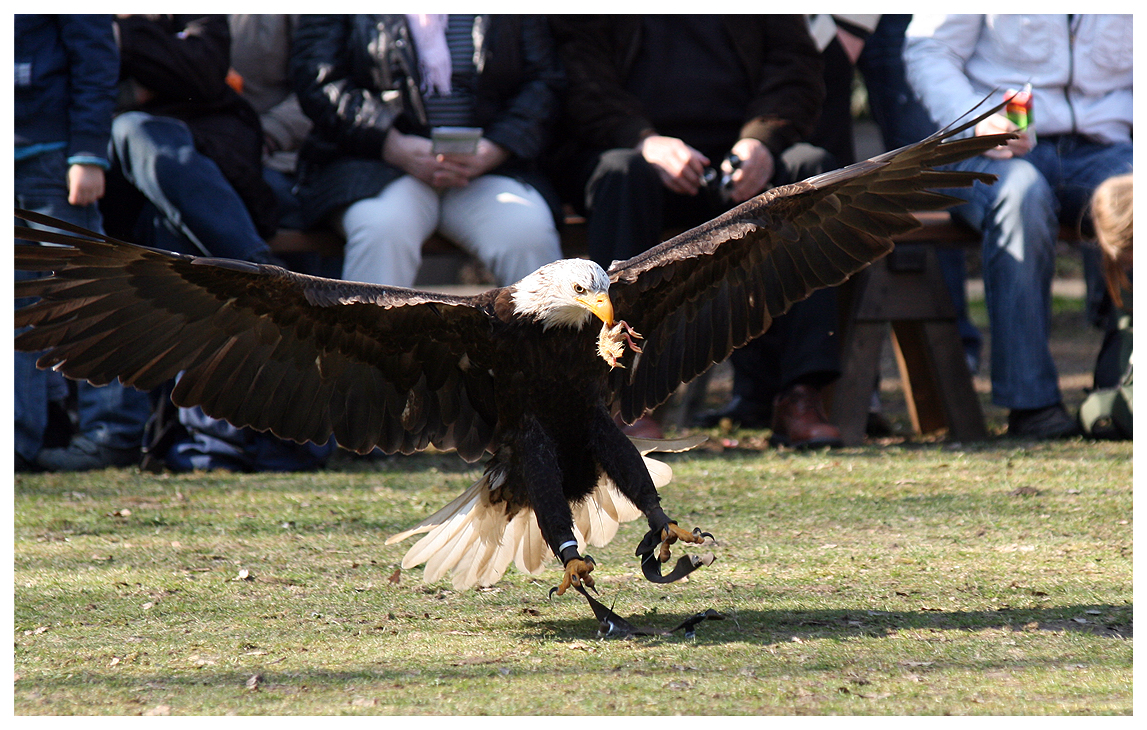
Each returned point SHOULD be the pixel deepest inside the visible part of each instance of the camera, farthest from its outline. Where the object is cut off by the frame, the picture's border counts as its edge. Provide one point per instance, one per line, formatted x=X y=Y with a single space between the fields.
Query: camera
x=717 y=184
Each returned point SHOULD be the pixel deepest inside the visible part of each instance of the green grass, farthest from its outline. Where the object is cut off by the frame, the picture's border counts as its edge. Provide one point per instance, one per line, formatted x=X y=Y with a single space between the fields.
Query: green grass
x=903 y=579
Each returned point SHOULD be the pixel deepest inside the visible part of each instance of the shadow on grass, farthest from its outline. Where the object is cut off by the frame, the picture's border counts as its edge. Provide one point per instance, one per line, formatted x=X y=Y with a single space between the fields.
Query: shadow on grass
x=771 y=627
x=762 y=628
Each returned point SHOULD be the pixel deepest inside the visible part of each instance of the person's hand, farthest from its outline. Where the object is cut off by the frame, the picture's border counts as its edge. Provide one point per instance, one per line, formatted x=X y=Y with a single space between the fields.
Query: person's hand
x=998 y=124
x=488 y=156
x=140 y=93
x=85 y=184
x=412 y=154
x=756 y=170
x=679 y=166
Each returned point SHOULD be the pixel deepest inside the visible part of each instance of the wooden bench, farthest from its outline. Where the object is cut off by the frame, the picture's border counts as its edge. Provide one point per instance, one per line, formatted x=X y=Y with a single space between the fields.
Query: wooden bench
x=905 y=292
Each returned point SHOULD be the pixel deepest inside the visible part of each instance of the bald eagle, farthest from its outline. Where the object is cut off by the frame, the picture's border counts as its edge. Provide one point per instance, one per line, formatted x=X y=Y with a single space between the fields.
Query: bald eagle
x=530 y=373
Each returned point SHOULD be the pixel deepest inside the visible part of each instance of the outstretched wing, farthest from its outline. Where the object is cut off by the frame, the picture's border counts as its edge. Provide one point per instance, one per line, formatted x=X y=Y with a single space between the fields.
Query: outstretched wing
x=300 y=356
x=700 y=295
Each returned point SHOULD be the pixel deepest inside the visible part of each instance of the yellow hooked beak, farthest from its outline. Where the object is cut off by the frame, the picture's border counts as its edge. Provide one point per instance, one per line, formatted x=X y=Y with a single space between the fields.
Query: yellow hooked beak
x=600 y=306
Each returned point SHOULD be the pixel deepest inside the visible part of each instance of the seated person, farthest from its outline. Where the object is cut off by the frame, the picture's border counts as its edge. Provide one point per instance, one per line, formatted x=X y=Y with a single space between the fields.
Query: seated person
x=187 y=176
x=186 y=151
x=260 y=55
x=375 y=86
x=1082 y=96
x=656 y=103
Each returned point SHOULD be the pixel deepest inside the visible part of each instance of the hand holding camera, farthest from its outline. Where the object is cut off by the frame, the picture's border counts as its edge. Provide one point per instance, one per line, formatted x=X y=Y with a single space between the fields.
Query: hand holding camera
x=755 y=173
x=679 y=166
x=745 y=172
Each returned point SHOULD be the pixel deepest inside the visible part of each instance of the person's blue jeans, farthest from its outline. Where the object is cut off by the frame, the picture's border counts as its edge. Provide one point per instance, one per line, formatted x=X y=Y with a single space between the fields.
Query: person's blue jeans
x=199 y=211
x=111 y=416
x=1019 y=218
x=214 y=444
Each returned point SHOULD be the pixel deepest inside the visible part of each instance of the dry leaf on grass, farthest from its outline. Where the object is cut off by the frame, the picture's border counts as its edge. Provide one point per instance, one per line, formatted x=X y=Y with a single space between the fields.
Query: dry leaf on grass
x=1024 y=492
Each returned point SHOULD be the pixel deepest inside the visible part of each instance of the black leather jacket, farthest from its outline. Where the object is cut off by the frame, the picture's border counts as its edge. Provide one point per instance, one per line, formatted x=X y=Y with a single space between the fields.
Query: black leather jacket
x=357 y=76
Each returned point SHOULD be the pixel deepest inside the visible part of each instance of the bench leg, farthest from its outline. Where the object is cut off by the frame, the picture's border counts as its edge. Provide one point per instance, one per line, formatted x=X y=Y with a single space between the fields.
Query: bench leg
x=852 y=392
x=937 y=385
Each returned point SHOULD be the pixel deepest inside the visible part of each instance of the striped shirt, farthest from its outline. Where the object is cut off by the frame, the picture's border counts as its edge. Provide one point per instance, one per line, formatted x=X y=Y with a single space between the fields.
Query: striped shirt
x=457 y=109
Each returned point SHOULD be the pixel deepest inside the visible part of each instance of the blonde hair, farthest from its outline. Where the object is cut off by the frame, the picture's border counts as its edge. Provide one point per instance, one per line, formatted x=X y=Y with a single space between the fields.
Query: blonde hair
x=1112 y=213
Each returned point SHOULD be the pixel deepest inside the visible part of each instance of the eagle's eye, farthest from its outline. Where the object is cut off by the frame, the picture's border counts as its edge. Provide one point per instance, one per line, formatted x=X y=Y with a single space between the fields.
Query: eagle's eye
x=579 y=289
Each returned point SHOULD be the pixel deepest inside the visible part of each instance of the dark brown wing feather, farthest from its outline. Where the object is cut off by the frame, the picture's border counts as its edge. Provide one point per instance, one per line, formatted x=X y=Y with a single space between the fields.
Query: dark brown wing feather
x=699 y=295
x=301 y=356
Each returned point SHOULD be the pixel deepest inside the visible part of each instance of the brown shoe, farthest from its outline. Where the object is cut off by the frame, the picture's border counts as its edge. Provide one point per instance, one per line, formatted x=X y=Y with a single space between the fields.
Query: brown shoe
x=799 y=421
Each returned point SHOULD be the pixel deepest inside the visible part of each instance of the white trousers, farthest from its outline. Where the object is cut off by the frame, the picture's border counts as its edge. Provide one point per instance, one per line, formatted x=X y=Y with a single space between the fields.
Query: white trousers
x=504 y=223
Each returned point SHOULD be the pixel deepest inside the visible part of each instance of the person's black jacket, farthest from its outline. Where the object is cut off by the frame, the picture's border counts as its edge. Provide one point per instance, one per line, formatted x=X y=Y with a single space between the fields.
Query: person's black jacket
x=356 y=76
x=182 y=62
x=780 y=58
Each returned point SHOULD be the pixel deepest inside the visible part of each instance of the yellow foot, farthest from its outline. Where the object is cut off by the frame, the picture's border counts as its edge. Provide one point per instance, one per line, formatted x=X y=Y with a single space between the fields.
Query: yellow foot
x=577 y=573
x=671 y=533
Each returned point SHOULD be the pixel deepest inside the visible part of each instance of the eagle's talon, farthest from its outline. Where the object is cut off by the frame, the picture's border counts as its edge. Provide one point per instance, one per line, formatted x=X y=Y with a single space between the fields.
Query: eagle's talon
x=630 y=334
x=698 y=533
x=577 y=574
x=629 y=331
x=671 y=533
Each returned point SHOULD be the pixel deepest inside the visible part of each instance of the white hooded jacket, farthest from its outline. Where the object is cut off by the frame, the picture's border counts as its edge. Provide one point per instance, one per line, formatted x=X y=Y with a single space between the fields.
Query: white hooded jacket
x=1080 y=68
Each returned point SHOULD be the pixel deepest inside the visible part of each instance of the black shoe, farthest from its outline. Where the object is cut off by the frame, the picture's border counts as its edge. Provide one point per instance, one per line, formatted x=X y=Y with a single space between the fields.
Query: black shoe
x=23 y=466
x=741 y=412
x=877 y=426
x=83 y=454
x=1050 y=422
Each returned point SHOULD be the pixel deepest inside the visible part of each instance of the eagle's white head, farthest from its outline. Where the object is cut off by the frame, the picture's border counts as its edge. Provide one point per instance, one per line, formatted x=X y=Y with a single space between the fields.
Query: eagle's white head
x=566 y=293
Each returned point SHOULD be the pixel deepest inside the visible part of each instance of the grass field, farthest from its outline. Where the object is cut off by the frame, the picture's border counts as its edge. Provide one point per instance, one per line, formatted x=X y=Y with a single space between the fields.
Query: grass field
x=908 y=577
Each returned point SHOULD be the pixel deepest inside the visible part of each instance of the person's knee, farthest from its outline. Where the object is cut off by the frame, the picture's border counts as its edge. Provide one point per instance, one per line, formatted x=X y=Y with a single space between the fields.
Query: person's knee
x=1021 y=186
x=151 y=150
x=620 y=169
x=802 y=161
x=128 y=125
x=523 y=240
x=381 y=230
x=520 y=232
x=377 y=231
x=624 y=161
x=140 y=127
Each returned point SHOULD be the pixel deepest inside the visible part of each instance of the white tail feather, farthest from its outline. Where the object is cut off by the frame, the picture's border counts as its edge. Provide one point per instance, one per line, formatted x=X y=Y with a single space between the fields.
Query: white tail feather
x=474 y=540
x=660 y=472
x=532 y=551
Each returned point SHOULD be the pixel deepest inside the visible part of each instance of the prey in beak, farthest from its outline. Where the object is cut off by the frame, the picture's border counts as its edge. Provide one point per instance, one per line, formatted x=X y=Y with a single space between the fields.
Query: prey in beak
x=612 y=341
